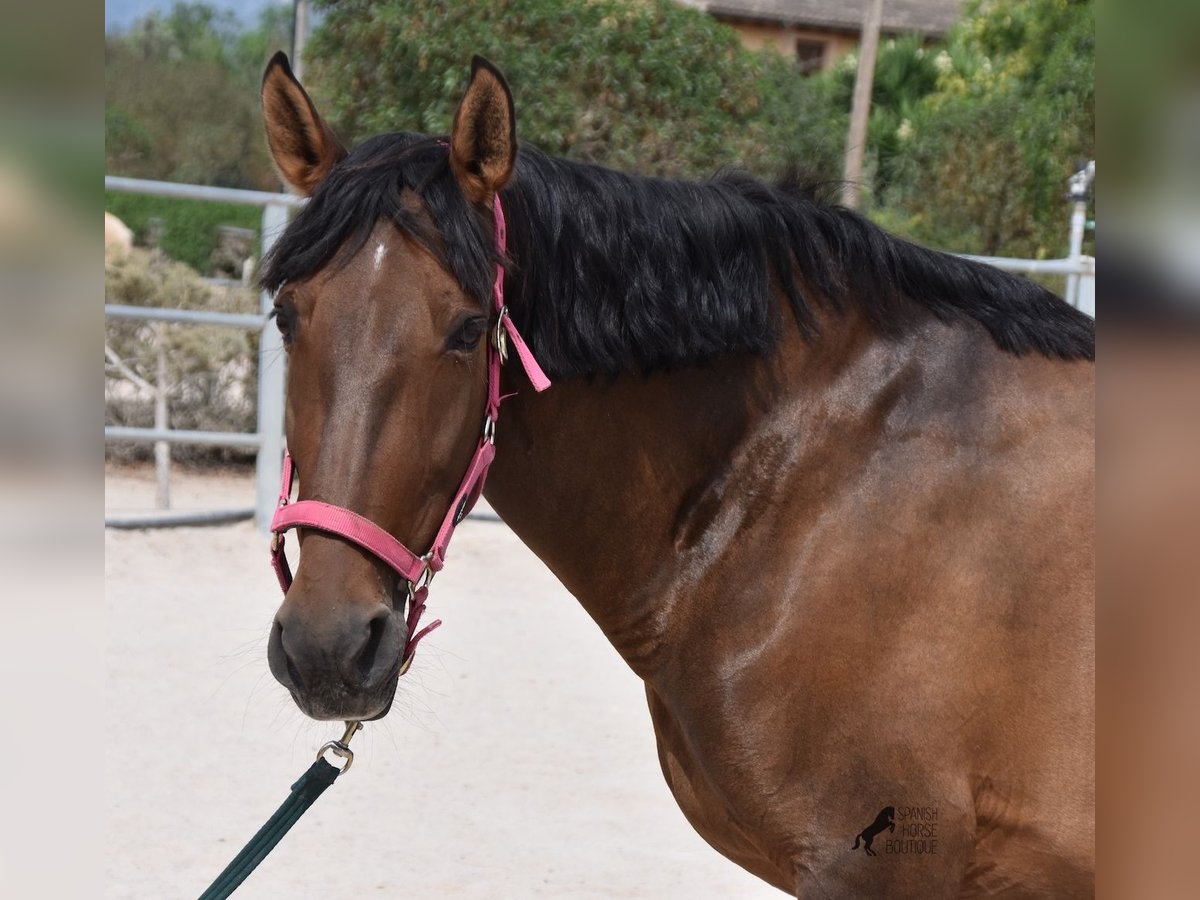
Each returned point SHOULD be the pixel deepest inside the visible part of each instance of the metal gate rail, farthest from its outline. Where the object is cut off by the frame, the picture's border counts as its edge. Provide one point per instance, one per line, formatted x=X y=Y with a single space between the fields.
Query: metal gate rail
x=271 y=360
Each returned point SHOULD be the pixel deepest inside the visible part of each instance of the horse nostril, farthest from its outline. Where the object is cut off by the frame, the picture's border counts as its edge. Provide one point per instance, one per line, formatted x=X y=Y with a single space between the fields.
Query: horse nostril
x=294 y=674
x=280 y=660
x=370 y=650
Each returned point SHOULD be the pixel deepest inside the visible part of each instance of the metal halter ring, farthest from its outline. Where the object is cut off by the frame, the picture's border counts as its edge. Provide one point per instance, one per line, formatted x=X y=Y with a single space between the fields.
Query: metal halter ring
x=489 y=429
x=423 y=580
x=340 y=747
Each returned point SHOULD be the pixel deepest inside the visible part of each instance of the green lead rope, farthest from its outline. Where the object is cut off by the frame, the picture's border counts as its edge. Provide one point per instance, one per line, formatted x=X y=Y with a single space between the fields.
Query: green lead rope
x=311 y=785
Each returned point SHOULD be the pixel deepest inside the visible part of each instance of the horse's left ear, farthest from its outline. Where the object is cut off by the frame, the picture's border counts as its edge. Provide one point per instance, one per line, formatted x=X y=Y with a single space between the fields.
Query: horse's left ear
x=483 y=140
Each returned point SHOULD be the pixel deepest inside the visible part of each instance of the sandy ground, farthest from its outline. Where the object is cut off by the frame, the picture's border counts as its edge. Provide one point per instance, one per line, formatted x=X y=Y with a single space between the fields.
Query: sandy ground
x=518 y=760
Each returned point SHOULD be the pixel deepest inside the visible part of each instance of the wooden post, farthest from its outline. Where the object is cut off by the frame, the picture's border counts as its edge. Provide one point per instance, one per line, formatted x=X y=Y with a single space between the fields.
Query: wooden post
x=860 y=110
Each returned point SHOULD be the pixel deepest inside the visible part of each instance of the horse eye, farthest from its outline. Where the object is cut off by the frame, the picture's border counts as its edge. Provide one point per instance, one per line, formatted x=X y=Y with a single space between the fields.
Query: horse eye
x=283 y=321
x=468 y=334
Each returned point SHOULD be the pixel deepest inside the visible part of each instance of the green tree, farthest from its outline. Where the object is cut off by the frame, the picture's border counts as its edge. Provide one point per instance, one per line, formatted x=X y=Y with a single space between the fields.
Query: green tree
x=252 y=49
x=182 y=105
x=988 y=153
x=904 y=75
x=649 y=85
x=181 y=98
x=207 y=371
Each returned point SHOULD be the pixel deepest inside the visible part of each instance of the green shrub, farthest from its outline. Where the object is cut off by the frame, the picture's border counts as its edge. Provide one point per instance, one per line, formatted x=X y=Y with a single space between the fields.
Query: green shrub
x=905 y=74
x=181 y=99
x=190 y=226
x=652 y=85
x=985 y=165
x=212 y=370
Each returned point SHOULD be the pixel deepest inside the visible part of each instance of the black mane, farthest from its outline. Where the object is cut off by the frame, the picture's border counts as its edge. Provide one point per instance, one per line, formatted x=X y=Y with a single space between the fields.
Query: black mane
x=610 y=272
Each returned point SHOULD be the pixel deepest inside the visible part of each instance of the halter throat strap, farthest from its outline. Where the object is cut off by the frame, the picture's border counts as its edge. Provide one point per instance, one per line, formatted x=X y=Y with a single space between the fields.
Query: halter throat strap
x=417 y=570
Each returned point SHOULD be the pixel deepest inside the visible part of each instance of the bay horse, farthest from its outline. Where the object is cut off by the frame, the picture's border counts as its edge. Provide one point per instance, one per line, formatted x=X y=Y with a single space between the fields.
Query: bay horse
x=829 y=494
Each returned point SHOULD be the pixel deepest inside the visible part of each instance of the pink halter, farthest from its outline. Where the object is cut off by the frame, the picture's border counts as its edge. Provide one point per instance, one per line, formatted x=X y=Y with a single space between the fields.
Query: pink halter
x=418 y=571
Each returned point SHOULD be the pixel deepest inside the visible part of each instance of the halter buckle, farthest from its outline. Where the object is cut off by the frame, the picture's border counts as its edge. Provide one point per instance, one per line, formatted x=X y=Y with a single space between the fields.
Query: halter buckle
x=500 y=335
x=423 y=580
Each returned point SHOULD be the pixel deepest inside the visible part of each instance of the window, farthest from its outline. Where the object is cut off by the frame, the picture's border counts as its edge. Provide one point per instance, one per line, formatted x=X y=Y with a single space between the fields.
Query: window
x=810 y=55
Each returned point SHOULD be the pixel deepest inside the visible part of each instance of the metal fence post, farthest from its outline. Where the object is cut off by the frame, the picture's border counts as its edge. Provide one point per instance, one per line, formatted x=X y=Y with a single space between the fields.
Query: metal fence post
x=272 y=365
x=1086 y=289
x=1078 y=187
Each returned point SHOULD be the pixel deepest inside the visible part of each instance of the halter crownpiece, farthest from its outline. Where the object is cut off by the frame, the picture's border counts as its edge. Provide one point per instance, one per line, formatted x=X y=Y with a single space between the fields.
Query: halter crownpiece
x=416 y=570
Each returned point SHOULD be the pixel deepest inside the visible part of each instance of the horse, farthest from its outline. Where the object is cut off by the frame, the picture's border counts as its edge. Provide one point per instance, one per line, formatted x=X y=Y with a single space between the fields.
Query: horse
x=828 y=493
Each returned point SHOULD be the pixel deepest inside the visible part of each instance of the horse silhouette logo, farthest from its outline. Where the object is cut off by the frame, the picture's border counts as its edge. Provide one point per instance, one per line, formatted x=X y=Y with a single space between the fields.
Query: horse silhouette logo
x=885 y=819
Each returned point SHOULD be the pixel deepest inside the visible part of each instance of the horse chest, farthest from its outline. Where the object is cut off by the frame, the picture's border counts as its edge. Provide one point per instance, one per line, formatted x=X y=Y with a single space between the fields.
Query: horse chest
x=706 y=805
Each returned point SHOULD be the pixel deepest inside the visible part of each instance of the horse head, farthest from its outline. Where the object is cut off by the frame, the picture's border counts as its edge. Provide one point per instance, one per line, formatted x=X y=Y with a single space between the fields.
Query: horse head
x=382 y=289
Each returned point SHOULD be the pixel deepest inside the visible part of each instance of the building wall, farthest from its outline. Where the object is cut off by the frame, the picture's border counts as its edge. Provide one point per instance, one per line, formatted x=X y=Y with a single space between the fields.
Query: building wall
x=758 y=35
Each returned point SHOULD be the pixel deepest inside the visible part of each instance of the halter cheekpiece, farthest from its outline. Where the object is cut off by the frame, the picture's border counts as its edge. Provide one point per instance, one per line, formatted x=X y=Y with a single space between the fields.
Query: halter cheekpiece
x=416 y=570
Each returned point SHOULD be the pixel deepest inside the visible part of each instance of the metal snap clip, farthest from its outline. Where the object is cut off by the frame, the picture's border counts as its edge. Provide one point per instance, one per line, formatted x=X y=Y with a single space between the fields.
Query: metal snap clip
x=340 y=747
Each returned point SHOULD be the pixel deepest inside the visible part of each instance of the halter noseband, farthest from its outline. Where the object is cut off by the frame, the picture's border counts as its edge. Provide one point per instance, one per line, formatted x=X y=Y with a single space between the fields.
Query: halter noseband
x=416 y=570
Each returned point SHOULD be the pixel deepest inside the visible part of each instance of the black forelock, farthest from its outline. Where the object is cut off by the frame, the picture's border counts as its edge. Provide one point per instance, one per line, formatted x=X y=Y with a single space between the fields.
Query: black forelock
x=610 y=272
x=367 y=187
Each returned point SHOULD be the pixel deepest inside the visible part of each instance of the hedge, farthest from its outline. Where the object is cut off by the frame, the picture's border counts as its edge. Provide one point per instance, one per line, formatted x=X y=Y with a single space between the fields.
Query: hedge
x=191 y=225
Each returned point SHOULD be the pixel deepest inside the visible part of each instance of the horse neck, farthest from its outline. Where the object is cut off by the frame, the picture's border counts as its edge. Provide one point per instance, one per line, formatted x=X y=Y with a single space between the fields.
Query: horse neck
x=614 y=483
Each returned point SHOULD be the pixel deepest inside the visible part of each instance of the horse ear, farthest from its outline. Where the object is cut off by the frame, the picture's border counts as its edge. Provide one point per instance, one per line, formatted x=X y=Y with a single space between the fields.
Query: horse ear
x=483 y=140
x=304 y=147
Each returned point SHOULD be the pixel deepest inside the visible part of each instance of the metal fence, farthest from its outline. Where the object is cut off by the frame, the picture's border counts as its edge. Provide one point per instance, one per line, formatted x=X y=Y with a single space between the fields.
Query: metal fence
x=1079 y=269
x=271 y=360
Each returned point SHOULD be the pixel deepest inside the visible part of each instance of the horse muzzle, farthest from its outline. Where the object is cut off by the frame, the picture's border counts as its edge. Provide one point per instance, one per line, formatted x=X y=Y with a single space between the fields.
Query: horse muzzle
x=342 y=664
